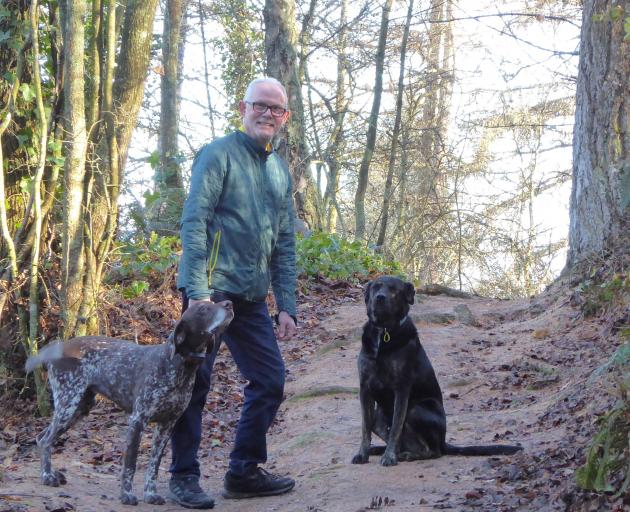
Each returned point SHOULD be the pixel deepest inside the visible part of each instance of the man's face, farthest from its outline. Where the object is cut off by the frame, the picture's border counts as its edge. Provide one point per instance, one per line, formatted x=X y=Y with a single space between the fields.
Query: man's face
x=262 y=127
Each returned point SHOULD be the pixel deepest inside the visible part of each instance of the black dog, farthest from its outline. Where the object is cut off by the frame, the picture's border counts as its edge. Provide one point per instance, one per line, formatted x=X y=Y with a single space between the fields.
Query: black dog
x=151 y=382
x=401 y=400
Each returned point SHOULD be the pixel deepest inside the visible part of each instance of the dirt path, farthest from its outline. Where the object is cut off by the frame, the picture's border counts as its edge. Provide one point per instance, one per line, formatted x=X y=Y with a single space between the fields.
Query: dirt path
x=504 y=368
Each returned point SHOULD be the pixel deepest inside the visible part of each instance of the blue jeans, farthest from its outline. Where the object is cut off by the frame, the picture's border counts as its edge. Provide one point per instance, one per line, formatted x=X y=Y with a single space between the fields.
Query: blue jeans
x=252 y=343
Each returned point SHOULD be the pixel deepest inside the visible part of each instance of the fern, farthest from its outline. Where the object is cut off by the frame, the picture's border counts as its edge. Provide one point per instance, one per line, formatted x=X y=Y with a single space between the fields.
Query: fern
x=607 y=467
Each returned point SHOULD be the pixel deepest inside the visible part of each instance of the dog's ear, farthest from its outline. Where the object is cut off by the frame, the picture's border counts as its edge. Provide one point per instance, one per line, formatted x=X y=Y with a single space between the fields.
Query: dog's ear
x=176 y=338
x=366 y=292
x=410 y=293
x=180 y=333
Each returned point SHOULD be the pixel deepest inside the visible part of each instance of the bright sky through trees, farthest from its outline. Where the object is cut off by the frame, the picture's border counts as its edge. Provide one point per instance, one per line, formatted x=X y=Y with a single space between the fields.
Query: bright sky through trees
x=510 y=114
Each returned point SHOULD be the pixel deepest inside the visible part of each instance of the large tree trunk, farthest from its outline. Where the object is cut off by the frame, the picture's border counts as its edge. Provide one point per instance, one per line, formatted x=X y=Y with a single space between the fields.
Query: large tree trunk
x=122 y=92
x=131 y=70
x=121 y=104
x=281 y=54
x=165 y=212
x=601 y=138
x=364 y=170
x=72 y=22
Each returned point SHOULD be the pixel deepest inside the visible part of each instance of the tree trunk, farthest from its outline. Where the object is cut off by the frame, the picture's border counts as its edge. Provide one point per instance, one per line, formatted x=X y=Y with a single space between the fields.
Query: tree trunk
x=281 y=54
x=601 y=138
x=72 y=22
x=387 y=194
x=336 y=145
x=242 y=48
x=364 y=170
x=95 y=53
x=206 y=74
x=165 y=212
x=131 y=70
x=123 y=91
x=447 y=70
x=430 y=188
x=315 y=197
x=438 y=78
x=43 y=403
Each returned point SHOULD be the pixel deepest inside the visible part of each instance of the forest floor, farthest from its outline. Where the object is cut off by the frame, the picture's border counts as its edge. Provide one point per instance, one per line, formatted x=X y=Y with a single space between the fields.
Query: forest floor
x=511 y=372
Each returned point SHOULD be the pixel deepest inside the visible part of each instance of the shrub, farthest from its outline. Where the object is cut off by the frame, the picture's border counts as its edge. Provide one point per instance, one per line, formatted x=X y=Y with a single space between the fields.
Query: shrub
x=332 y=257
x=144 y=263
x=602 y=295
x=607 y=467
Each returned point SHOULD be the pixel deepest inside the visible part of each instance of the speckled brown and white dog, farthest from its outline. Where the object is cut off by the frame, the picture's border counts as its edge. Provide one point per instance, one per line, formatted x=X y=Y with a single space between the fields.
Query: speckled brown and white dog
x=151 y=382
x=401 y=400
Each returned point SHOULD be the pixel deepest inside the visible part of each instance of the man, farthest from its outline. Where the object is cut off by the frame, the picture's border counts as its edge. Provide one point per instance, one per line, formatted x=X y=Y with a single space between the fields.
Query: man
x=237 y=237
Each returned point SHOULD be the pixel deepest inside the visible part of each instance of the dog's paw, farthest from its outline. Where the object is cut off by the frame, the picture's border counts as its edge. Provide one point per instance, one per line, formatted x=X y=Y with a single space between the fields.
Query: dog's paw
x=360 y=458
x=53 y=479
x=153 y=499
x=388 y=459
x=126 y=498
x=61 y=477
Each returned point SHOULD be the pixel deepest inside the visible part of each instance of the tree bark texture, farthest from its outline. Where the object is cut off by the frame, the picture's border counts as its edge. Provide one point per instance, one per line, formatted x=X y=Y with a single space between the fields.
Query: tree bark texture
x=72 y=19
x=601 y=137
x=131 y=70
x=281 y=54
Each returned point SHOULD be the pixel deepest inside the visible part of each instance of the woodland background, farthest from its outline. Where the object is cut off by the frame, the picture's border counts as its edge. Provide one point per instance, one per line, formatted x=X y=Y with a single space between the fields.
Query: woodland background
x=480 y=146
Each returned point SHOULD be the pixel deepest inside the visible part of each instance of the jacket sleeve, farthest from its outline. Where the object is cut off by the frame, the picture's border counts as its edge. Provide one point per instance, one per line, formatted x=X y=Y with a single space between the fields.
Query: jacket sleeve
x=206 y=184
x=283 y=259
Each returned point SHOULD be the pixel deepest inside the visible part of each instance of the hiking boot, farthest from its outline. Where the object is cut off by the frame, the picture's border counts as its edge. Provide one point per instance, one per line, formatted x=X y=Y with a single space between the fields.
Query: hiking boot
x=257 y=483
x=186 y=492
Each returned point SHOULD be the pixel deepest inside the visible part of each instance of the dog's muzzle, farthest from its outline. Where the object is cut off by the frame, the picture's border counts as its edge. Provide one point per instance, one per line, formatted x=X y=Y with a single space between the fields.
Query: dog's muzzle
x=379 y=309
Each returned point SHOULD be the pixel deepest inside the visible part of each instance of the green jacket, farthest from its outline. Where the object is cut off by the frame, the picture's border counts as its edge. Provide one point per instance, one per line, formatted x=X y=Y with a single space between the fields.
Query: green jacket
x=239 y=189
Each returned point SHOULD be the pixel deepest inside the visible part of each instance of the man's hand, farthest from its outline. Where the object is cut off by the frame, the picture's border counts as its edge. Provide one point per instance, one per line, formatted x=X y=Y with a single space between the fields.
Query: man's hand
x=286 y=326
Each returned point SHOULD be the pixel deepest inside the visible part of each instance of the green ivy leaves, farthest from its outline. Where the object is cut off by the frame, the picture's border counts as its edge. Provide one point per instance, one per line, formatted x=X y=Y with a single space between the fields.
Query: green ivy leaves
x=615 y=14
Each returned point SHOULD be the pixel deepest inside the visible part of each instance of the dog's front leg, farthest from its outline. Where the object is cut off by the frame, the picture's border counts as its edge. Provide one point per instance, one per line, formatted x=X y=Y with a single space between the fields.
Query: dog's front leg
x=401 y=402
x=367 y=424
x=134 y=432
x=161 y=434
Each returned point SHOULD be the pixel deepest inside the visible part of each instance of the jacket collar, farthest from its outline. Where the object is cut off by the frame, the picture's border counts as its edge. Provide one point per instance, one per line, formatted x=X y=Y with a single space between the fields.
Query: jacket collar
x=253 y=145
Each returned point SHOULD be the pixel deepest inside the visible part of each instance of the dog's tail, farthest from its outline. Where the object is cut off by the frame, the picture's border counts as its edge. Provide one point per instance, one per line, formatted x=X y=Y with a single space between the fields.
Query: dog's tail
x=451 y=449
x=497 y=449
x=51 y=352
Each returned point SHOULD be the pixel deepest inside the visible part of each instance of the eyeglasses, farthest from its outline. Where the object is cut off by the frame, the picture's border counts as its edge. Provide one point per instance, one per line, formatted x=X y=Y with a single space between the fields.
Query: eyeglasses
x=261 y=108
